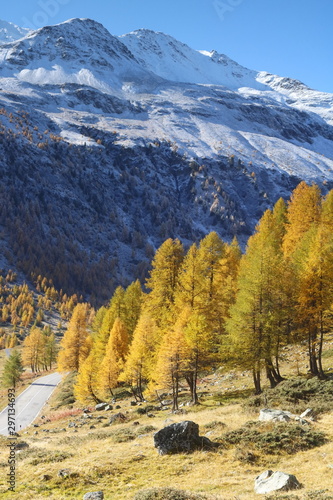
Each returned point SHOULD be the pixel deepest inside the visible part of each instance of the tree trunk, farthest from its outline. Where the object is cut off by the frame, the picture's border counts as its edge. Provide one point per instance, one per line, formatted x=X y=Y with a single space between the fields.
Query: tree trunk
x=321 y=373
x=189 y=380
x=256 y=380
x=175 y=393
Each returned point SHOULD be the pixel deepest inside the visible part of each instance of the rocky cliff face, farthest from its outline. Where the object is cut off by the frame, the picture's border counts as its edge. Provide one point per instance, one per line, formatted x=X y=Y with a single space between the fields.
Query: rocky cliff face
x=111 y=145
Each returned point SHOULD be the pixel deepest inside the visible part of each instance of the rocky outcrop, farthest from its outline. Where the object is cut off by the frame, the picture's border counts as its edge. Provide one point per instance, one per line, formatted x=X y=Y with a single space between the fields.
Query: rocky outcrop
x=182 y=437
x=118 y=418
x=94 y=495
x=270 y=481
x=267 y=415
x=272 y=415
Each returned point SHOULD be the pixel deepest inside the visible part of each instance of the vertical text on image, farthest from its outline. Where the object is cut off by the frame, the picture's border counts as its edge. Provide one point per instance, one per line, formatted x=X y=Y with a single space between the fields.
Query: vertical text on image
x=11 y=476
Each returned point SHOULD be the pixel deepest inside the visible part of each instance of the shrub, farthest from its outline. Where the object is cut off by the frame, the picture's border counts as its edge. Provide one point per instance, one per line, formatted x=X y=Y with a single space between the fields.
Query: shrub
x=45 y=457
x=277 y=438
x=145 y=409
x=215 y=425
x=168 y=494
x=123 y=436
x=296 y=395
x=65 y=395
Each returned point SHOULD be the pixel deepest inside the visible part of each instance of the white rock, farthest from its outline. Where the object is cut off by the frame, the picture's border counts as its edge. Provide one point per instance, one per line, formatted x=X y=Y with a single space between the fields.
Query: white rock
x=270 y=481
x=308 y=414
x=267 y=415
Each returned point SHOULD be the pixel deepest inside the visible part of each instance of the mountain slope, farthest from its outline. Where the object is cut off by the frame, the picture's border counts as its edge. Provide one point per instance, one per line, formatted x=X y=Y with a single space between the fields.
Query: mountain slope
x=9 y=32
x=111 y=145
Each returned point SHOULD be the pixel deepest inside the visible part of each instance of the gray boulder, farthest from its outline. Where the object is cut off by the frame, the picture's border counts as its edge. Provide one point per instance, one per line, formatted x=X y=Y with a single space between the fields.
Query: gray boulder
x=270 y=481
x=22 y=445
x=267 y=415
x=94 y=495
x=179 y=438
x=101 y=406
x=117 y=418
x=64 y=473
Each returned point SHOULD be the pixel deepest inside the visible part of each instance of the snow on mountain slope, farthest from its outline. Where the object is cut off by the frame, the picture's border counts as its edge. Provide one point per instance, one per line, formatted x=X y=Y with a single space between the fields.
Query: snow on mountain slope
x=9 y=32
x=109 y=145
x=78 y=51
x=147 y=86
x=176 y=61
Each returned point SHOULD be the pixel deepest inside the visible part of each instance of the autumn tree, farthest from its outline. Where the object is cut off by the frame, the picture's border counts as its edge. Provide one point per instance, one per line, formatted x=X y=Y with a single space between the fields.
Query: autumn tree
x=200 y=341
x=76 y=344
x=303 y=212
x=87 y=382
x=211 y=251
x=256 y=317
x=162 y=282
x=141 y=356
x=173 y=359
x=114 y=358
x=34 y=349
x=316 y=288
x=133 y=298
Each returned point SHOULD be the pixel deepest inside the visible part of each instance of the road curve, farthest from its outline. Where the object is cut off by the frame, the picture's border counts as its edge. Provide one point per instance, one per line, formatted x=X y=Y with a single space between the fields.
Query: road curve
x=30 y=402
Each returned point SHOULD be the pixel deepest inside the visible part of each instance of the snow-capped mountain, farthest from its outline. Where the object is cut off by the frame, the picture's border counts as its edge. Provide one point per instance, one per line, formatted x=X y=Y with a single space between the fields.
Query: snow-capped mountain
x=121 y=142
x=9 y=32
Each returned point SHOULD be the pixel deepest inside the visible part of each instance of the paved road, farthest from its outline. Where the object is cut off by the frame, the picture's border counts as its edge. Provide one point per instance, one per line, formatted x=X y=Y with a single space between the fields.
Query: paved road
x=30 y=402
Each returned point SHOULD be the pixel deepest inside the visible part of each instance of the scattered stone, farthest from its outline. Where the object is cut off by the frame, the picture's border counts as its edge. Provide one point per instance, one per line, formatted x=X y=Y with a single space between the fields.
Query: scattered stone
x=118 y=407
x=179 y=438
x=101 y=406
x=92 y=427
x=166 y=402
x=267 y=415
x=270 y=481
x=108 y=408
x=86 y=410
x=71 y=424
x=136 y=423
x=45 y=477
x=302 y=421
x=35 y=433
x=134 y=403
x=309 y=414
x=35 y=425
x=94 y=495
x=117 y=418
x=21 y=446
x=64 y=473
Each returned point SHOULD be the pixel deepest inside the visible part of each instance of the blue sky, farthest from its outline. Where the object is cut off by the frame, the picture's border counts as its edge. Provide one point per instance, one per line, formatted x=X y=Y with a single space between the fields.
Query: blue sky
x=286 y=37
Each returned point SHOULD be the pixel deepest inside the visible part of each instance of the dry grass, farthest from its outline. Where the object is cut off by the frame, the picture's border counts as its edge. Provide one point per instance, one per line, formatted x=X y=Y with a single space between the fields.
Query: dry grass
x=121 y=459
x=99 y=462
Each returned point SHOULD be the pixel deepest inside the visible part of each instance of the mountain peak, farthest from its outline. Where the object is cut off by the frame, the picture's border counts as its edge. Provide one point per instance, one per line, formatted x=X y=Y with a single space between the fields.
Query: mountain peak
x=9 y=32
x=176 y=61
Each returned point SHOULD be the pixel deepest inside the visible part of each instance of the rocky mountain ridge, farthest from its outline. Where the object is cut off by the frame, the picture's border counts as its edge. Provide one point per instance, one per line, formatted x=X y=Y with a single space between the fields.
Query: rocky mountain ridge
x=109 y=145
